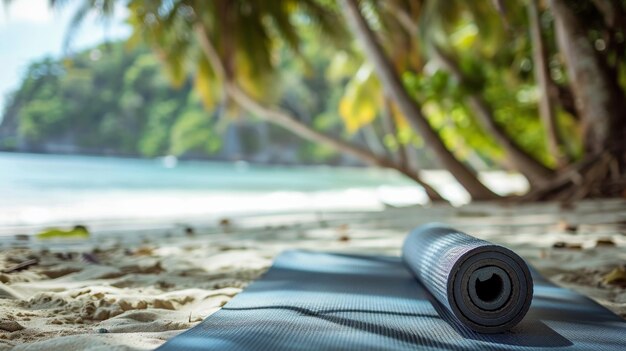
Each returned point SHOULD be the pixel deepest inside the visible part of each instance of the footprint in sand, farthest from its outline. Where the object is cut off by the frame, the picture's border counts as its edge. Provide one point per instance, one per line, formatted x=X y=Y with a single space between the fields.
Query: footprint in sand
x=144 y=321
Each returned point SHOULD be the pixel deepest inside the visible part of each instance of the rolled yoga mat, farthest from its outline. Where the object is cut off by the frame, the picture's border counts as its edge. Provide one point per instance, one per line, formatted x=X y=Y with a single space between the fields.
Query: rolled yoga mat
x=331 y=301
x=487 y=287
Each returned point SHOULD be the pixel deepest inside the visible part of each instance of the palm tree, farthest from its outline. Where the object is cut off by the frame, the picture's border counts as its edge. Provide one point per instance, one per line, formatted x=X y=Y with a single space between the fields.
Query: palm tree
x=535 y=171
x=409 y=107
x=592 y=76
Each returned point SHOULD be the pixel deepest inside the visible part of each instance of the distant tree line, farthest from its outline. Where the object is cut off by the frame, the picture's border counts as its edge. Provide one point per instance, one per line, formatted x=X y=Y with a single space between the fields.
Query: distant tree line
x=116 y=100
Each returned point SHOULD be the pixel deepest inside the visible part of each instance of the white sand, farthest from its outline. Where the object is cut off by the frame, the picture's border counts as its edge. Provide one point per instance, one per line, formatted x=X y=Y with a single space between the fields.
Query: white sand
x=149 y=286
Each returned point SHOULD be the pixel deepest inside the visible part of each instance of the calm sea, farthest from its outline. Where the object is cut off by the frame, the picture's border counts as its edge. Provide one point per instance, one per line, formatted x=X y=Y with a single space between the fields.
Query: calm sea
x=48 y=189
x=53 y=188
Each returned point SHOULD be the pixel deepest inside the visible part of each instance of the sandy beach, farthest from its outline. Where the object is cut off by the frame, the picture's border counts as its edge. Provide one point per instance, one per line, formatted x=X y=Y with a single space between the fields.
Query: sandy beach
x=134 y=289
x=158 y=157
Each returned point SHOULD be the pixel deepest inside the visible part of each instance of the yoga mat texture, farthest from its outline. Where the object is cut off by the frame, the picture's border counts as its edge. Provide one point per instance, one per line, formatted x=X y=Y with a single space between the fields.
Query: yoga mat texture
x=487 y=287
x=324 y=301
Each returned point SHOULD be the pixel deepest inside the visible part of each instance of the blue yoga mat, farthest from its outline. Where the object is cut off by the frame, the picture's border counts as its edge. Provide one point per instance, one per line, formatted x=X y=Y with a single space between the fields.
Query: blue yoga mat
x=487 y=287
x=325 y=301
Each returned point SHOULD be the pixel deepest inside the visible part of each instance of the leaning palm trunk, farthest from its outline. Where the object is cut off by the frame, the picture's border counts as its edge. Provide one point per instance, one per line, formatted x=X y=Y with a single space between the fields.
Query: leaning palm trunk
x=287 y=121
x=411 y=111
x=536 y=172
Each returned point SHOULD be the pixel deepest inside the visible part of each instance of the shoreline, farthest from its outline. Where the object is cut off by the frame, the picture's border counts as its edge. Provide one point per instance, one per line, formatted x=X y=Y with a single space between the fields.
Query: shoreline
x=77 y=190
x=133 y=289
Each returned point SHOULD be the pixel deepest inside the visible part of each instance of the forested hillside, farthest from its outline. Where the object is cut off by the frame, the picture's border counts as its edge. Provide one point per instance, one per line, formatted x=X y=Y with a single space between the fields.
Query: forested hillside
x=117 y=100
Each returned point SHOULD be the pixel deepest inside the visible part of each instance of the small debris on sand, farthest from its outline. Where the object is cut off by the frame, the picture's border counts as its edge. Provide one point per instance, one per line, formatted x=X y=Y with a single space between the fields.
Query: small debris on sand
x=10 y=326
x=616 y=277
x=564 y=245
x=605 y=242
x=21 y=266
x=151 y=287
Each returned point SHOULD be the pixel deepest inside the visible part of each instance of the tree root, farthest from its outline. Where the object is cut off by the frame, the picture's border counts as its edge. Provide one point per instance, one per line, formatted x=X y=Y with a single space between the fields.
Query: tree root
x=602 y=176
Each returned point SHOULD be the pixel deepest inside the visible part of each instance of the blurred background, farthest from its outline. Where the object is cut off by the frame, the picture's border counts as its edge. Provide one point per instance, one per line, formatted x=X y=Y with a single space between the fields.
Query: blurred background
x=161 y=110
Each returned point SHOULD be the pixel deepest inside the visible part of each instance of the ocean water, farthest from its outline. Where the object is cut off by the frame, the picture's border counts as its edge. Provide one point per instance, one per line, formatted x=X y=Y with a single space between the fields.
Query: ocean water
x=38 y=189
x=55 y=189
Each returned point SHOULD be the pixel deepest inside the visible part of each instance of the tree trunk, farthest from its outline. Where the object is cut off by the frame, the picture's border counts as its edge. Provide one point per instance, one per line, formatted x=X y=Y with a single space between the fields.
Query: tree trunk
x=608 y=10
x=600 y=105
x=479 y=106
x=392 y=129
x=614 y=15
x=285 y=120
x=521 y=161
x=599 y=98
x=564 y=96
x=542 y=77
x=394 y=87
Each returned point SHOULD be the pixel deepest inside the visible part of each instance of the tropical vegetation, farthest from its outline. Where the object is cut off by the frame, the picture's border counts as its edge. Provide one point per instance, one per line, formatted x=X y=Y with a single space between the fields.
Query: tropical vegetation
x=527 y=85
x=116 y=100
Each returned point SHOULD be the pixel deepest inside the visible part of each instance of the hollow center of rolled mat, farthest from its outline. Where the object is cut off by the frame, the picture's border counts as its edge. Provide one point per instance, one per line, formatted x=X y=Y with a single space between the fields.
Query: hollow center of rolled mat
x=489 y=287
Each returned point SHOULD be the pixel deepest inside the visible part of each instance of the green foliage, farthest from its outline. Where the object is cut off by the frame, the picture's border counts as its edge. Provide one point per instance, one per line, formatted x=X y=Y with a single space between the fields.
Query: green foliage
x=193 y=132
x=78 y=232
x=443 y=103
x=317 y=153
x=107 y=99
x=40 y=118
x=115 y=100
x=155 y=139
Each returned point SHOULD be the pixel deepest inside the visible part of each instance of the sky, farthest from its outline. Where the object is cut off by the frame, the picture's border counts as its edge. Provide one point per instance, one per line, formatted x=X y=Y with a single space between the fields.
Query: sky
x=29 y=31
